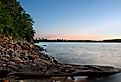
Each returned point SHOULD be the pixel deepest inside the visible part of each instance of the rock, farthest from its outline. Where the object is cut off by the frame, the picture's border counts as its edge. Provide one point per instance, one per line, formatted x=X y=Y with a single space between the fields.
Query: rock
x=16 y=47
x=5 y=80
x=19 y=43
x=13 y=67
x=6 y=56
x=25 y=46
x=23 y=56
x=4 y=59
x=1 y=47
x=32 y=57
x=10 y=53
x=25 y=52
x=17 y=60
x=12 y=63
x=55 y=61
x=38 y=48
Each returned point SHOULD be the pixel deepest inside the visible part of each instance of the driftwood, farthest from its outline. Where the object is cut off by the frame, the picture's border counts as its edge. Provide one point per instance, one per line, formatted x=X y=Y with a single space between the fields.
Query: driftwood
x=68 y=70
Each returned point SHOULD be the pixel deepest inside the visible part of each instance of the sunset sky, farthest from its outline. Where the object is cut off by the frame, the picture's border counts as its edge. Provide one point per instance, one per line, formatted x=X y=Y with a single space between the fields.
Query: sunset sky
x=75 y=19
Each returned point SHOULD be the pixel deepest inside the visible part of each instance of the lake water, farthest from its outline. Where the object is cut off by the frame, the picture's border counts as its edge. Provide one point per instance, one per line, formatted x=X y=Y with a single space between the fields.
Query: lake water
x=87 y=53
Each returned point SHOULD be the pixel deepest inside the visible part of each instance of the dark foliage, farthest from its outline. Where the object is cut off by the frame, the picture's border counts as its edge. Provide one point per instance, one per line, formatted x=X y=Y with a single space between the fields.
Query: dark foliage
x=14 y=21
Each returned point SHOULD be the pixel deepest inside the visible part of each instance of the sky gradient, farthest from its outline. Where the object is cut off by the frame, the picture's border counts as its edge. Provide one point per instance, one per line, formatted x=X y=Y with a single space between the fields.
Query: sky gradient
x=75 y=19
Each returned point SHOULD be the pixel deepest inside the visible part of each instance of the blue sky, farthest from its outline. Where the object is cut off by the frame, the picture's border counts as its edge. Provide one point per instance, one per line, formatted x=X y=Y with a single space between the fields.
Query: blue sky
x=75 y=19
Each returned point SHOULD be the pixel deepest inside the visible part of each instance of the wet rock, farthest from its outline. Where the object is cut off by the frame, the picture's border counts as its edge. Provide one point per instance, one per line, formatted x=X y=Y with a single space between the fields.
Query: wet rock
x=38 y=48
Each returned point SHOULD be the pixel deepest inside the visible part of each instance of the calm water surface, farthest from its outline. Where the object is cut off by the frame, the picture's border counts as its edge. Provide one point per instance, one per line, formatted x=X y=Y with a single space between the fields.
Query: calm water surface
x=87 y=53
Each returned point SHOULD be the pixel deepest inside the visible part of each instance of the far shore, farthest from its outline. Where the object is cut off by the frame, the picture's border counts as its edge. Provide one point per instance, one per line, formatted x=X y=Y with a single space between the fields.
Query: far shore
x=87 y=41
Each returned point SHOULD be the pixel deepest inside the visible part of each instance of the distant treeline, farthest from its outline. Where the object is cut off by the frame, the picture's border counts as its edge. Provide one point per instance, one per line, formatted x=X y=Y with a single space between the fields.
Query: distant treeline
x=63 y=40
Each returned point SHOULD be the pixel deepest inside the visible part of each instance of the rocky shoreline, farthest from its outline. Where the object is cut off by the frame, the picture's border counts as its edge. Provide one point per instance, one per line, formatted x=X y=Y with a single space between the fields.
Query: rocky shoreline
x=22 y=60
x=21 y=56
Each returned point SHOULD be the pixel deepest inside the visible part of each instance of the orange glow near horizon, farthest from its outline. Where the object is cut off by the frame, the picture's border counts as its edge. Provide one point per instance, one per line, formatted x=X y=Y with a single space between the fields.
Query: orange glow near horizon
x=76 y=37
